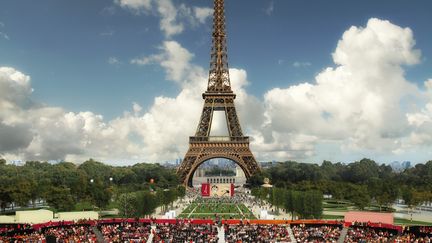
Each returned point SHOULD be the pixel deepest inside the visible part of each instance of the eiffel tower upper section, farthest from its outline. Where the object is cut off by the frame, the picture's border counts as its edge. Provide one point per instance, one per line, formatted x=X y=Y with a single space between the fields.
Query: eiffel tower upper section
x=219 y=95
x=219 y=80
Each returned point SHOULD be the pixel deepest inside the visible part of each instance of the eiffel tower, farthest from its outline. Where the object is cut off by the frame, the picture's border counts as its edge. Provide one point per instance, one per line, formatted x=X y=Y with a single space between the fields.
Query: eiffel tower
x=218 y=97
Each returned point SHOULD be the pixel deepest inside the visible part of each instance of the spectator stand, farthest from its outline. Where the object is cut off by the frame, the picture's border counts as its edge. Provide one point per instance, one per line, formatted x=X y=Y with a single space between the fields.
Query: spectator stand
x=370 y=232
x=259 y=230
x=316 y=232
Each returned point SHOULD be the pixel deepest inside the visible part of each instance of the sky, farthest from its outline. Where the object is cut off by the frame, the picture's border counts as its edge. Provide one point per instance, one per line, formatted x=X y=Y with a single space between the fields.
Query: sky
x=120 y=81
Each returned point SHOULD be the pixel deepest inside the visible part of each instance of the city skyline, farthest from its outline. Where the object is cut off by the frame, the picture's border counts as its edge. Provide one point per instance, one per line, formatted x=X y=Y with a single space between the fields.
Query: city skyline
x=121 y=81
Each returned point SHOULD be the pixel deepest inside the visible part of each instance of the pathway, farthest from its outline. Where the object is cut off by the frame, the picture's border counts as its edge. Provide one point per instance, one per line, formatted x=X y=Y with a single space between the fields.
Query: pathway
x=151 y=236
x=221 y=234
x=291 y=234
x=241 y=212
x=193 y=210
x=99 y=236
x=343 y=234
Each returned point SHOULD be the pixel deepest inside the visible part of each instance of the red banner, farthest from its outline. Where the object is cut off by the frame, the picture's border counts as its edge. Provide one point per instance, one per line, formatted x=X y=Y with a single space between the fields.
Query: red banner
x=232 y=189
x=205 y=190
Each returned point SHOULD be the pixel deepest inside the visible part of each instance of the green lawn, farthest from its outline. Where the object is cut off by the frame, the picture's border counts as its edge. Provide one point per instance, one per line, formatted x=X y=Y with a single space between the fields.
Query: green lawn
x=189 y=208
x=208 y=208
x=399 y=221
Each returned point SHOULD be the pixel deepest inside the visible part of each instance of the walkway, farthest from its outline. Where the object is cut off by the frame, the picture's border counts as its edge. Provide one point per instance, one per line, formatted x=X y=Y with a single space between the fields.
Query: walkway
x=241 y=212
x=193 y=210
x=151 y=236
x=343 y=234
x=291 y=234
x=221 y=234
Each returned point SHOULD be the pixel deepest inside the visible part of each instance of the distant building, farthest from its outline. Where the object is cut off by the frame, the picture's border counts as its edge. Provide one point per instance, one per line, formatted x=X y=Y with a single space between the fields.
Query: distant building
x=406 y=165
x=396 y=166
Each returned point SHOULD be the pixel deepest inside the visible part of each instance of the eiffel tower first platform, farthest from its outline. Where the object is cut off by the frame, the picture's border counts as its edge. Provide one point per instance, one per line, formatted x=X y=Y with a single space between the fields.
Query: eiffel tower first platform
x=218 y=97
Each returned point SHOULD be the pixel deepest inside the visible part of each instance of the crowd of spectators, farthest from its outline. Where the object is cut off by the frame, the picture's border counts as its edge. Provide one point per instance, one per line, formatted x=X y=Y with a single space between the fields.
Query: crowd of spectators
x=425 y=230
x=367 y=234
x=256 y=233
x=316 y=233
x=125 y=232
x=185 y=232
x=73 y=233
x=62 y=234
x=410 y=237
x=34 y=237
x=5 y=228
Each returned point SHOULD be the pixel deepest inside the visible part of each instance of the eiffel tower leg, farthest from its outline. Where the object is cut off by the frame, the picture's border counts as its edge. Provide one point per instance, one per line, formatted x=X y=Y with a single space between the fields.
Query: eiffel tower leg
x=185 y=170
x=233 y=122
x=204 y=124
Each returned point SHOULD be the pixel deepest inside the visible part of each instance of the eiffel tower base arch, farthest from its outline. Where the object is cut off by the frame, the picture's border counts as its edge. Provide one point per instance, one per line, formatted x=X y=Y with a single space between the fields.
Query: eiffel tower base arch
x=199 y=152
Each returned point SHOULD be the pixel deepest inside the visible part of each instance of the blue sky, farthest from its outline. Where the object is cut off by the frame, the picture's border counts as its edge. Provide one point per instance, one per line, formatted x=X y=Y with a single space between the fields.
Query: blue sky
x=78 y=57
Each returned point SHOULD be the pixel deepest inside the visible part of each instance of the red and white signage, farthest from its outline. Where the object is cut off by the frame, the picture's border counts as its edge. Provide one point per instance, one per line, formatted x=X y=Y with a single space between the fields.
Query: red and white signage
x=205 y=190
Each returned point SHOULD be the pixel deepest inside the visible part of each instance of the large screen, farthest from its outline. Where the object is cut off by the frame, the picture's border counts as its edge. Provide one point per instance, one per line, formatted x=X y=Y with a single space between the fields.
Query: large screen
x=217 y=190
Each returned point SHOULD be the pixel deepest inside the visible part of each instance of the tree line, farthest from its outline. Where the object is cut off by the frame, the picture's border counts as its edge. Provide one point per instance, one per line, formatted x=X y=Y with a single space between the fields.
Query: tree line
x=301 y=204
x=67 y=186
x=362 y=182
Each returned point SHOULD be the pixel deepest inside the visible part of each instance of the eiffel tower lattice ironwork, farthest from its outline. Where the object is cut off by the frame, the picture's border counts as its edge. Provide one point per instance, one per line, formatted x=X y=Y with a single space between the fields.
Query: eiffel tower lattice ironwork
x=218 y=97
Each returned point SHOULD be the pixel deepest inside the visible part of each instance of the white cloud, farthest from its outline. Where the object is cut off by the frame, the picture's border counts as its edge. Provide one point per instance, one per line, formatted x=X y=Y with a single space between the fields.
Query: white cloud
x=4 y=35
x=109 y=10
x=269 y=10
x=173 y=57
x=172 y=18
x=202 y=14
x=107 y=33
x=135 y=5
x=357 y=102
x=159 y=134
x=169 y=22
x=301 y=64
x=113 y=61
x=428 y=84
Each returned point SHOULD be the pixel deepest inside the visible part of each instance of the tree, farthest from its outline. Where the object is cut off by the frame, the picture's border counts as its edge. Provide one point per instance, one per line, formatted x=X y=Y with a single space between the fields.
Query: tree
x=127 y=204
x=360 y=197
x=100 y=194
x=60 y=198
x=256 y=180
x=289 y=203
x=299 y=203
x=181 y=191
x=146 y=203
x=388 y=194
x=21 y=192
x=278 y=198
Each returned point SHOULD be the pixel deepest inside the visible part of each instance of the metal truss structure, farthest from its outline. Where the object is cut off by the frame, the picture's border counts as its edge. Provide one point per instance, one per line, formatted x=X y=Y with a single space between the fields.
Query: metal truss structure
x=218 y=97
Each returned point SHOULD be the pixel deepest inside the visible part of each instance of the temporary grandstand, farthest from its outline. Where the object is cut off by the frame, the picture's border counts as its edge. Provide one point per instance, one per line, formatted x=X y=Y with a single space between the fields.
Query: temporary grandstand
x=204 y=230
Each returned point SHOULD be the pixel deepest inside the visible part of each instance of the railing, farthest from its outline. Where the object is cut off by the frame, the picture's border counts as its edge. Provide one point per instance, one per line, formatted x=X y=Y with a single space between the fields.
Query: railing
x=219 y=139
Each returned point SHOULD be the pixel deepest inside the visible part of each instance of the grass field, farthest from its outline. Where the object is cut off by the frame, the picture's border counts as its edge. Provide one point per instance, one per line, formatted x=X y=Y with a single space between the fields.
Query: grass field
x=209 y=209
x=399 y=221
